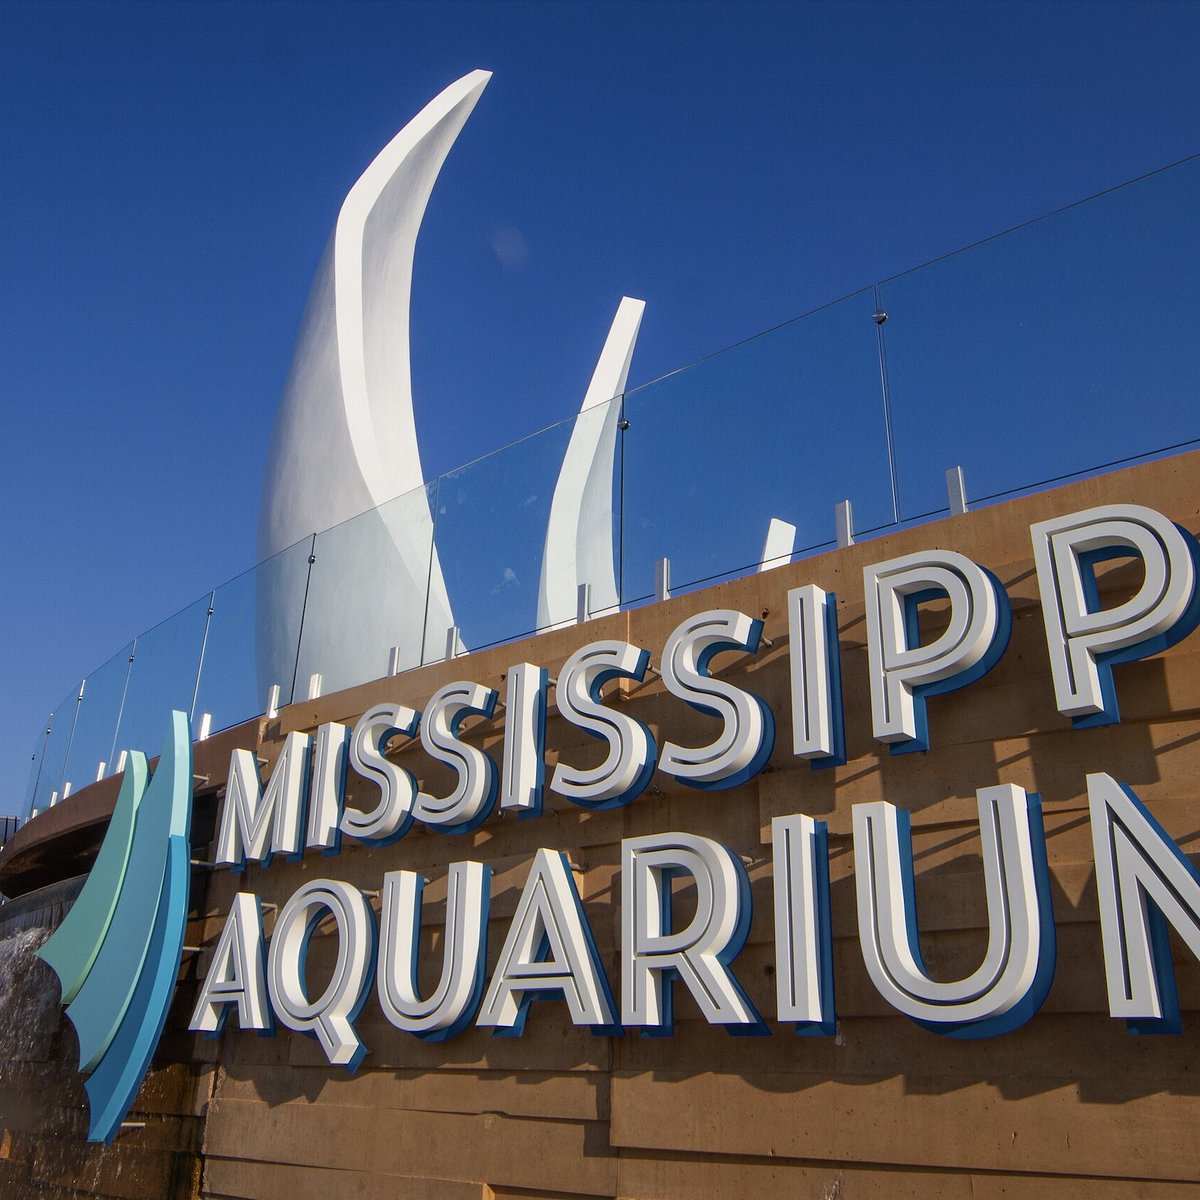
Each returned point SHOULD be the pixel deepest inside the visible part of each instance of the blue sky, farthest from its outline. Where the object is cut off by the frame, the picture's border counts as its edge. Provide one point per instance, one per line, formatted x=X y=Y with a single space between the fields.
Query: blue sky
x=171 y=173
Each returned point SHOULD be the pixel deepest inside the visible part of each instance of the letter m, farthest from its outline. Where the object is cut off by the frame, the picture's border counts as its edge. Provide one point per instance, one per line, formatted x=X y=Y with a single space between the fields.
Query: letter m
x=257 y=823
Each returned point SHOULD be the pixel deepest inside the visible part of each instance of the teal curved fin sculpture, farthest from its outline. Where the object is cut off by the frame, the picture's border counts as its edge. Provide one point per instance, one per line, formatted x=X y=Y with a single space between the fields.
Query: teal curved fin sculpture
x=76 y=942
x=120 y=1005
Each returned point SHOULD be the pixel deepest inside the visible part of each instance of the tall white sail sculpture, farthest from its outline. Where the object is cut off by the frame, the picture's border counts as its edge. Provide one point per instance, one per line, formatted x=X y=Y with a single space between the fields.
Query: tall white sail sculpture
x=579 y=534
x=345 y=441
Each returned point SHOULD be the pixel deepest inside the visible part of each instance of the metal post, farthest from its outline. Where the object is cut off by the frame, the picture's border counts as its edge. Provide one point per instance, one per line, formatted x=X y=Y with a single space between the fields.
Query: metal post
x=880 y=318
x=312 y=558
x=41 y=762
x=112 y=750
x=203 y=646
x=71 y=737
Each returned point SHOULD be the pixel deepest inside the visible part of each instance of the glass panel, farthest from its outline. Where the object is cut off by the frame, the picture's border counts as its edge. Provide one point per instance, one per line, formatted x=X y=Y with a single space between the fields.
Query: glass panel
x=782 y=426
x=491 y=532
x=366 y=594
x=252 y=639
x=1059 y=348
x=1062 y=346
x=54 y=758
x=163 y=677
x=96 y=729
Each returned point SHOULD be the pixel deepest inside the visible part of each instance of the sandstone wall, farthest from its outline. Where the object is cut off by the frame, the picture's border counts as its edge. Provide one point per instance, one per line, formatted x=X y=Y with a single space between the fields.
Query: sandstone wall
x=1069 y=1106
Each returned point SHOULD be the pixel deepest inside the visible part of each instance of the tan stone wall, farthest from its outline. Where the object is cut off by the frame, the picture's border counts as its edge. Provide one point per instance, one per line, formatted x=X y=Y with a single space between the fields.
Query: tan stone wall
x=1067 y=1106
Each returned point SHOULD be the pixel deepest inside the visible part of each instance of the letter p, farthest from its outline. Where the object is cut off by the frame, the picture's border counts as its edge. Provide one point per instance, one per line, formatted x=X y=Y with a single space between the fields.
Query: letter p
x=1085 y=640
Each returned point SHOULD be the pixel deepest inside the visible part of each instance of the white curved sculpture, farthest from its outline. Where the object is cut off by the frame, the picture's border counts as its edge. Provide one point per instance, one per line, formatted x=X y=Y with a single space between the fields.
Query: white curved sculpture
x=579 y=533
x=345 y=441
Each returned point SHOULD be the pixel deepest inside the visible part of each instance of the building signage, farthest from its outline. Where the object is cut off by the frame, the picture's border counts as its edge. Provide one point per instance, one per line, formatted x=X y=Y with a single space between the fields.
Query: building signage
x=1144 y=881
x=549 y=950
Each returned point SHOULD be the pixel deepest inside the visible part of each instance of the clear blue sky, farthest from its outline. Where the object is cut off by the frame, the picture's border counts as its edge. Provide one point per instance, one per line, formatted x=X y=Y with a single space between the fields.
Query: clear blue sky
x=169 y=174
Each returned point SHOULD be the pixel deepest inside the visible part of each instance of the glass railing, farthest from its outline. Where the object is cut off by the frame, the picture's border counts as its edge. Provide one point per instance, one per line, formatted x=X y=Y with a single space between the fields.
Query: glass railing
x=367 y=595
x=1044 y=352
x=490 y=529
x=48 y=781
x=780 y=427
x=98 y=726
x=1058 y=349
x=255 y=626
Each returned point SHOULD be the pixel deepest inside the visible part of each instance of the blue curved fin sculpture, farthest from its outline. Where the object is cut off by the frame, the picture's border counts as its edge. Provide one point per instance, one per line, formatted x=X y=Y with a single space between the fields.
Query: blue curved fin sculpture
x=118 y=986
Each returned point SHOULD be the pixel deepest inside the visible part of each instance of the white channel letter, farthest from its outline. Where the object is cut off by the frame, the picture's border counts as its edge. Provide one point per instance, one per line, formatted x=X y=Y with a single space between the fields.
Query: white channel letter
x=549 y=948
x=523 y=776
x=328 y=792
x=393 y=814
x=653 y=953
x=803 y=926
x=256 y=822
x=1085 y=640
x=453 y=1002
x=474 y=794
x=1011 y=983
x=1143 y=881
x=624 y=773
x=748 y=728
x=903 y=672
x=235 y=972
x=817 y=728
x=330 y=1017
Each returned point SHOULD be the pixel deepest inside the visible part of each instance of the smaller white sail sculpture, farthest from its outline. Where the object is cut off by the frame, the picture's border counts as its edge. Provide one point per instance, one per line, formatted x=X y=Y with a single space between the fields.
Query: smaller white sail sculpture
x=579 y=534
